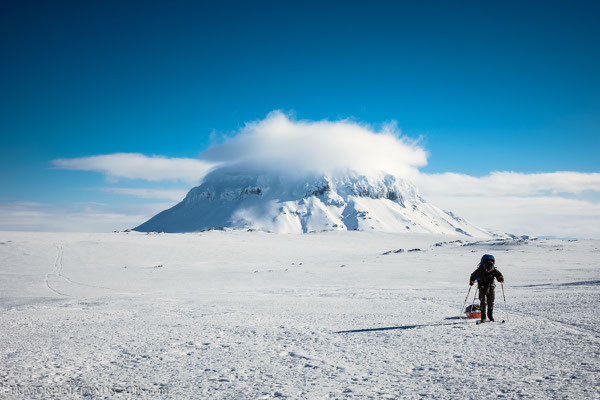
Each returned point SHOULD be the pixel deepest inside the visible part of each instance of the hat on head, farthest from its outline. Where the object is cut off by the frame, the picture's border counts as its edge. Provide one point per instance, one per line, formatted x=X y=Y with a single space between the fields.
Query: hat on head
x=488 y=257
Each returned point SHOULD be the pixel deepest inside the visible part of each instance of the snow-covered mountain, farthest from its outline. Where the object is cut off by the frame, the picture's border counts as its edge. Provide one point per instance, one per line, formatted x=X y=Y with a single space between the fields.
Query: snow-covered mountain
x=283 y=204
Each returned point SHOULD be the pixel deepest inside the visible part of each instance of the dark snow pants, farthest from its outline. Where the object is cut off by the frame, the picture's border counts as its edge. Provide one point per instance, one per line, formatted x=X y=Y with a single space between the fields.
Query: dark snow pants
x=486 y=298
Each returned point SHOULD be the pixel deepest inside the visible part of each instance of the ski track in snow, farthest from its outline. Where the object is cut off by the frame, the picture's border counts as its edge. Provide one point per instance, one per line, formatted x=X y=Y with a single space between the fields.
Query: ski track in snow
x=56 y=270
x=223 y=315
x=563 y=324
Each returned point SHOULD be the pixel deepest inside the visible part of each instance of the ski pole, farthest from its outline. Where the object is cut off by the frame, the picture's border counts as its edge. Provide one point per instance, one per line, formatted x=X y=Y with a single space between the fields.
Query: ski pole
x=505 y=306
x=463 y=306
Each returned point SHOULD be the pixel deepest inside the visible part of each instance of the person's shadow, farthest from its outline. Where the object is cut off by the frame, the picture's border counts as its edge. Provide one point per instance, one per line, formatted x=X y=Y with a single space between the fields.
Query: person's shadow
x=404 y=327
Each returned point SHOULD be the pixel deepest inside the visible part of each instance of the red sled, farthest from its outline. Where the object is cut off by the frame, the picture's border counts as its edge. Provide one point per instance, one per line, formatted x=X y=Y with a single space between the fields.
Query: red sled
x=473 y=311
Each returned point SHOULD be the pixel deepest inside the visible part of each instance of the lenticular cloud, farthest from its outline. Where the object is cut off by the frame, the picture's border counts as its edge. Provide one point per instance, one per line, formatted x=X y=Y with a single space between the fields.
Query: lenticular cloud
x=281 y=144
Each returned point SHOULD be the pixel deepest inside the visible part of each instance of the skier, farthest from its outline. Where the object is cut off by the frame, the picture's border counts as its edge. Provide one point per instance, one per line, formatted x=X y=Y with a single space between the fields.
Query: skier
x=484 y=275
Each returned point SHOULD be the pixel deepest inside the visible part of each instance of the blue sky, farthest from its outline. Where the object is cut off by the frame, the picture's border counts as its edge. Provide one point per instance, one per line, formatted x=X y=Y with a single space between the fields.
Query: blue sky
x=486 y=86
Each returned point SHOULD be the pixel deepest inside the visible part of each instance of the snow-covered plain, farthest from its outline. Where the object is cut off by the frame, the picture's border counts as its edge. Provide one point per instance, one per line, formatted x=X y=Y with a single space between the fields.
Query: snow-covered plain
x=234 y=315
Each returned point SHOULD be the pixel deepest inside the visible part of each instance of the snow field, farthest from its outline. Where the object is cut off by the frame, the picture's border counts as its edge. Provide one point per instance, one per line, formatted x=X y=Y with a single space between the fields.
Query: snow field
x=255 y=315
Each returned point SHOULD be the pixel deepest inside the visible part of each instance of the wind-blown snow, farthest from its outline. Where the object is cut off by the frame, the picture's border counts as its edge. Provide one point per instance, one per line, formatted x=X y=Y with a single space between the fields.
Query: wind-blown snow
x=225 y=315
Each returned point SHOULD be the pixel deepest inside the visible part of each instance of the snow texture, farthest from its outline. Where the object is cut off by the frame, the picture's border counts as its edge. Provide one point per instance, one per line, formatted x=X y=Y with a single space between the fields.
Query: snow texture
x=233 y=315
x=285 y=204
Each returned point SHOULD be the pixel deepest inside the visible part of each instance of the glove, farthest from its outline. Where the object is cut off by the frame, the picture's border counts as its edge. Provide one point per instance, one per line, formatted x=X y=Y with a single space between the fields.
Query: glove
x=471 y=283
x=500 y=279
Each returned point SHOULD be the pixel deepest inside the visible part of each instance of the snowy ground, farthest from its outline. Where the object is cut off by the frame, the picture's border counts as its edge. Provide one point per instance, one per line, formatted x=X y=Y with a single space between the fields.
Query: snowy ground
x=233 y=315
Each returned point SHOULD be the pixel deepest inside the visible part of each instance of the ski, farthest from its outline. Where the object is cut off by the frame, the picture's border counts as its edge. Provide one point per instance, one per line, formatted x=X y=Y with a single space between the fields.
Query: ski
x=488 y=322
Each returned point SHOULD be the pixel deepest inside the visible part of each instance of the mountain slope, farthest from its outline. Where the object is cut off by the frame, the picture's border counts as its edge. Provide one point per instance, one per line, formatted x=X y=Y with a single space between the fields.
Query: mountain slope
x=274 y=203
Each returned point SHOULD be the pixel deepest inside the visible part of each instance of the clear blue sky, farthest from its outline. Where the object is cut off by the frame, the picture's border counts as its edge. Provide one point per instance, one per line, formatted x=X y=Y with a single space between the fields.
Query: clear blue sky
x=510 y=86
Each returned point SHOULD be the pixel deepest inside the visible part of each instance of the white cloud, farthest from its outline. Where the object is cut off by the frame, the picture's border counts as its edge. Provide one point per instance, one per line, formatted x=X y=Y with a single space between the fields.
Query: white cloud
x=538 y=216
x=289 y=146
x=275 y=143
x=536 y=204
x=147 y=193
x=74 y=217
x=508 y=183
x=139 y=166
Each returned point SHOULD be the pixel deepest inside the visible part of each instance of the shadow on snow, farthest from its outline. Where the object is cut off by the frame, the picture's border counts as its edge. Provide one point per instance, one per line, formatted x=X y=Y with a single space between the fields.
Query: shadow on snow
x=580 y=283
x=404 y=327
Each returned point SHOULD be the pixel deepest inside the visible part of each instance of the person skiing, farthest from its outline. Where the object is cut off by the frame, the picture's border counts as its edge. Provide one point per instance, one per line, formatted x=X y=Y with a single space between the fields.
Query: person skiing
x=484 y=275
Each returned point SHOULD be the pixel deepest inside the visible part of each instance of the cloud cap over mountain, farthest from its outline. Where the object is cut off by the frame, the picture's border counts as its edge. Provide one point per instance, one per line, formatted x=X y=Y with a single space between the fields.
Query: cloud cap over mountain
x=280 y=143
